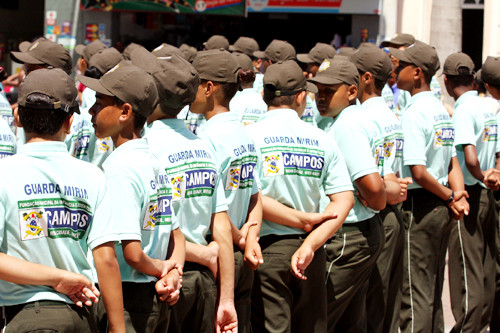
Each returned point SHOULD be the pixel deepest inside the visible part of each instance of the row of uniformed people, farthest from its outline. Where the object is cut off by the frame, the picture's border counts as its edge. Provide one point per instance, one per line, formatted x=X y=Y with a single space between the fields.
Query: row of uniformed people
x=282 y=166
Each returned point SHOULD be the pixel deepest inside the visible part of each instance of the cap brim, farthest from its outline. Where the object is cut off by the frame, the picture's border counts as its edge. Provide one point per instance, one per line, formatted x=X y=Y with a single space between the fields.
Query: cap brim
x=24 y=58
x=399 y=54
x=311 y=87
x=95 y=85
x=259 y=54
x=79 y=49
x=324 y=80
x=304 y=57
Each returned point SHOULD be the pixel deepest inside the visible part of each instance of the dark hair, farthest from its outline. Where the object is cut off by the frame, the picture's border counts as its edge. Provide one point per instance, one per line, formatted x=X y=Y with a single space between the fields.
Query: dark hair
x=139 y=119
x=246 y=76
x=427 y=77
x=462 y=79
x=379 y=84
x=42 y=122
x=228 y=89
x=272 y=100
x=169 y=111
x=93 y=72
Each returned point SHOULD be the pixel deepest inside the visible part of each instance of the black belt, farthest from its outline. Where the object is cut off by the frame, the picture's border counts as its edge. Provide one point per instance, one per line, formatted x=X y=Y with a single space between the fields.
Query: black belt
x=12 y=310
x=364 y=225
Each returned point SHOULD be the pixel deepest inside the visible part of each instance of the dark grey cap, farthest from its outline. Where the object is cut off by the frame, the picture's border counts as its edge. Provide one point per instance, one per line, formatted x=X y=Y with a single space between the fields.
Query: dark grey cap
x=87 y=51
x=165 y=50
x=277 y=50
x=130 y=84
x=217 y=42
x=490 y=72
x=245 y=45
x=45 y=52
x=176 y=79
x=400 y=40
x=374 y=60
x=318 y=53
x=105 y=59
x=419 y=54
x=286 y=78
x=458 y=60
x=217 y=66
x=335 y=71
x=53 y=82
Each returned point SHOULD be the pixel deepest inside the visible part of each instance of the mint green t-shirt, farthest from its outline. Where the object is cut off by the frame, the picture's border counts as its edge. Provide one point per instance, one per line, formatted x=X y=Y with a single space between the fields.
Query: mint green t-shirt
x=376 y=110
x=53 y=208
x=194 y=122
x=142 y=195
x=296 y=160
x=258 y=84
x=193 y=171
x=388 y=96
x=310 y=111
x=7 y=140
x=361 y=144
x=475 y=125
x=248 y=105
x=235 y=153
x=429 y=134
x=6 y=113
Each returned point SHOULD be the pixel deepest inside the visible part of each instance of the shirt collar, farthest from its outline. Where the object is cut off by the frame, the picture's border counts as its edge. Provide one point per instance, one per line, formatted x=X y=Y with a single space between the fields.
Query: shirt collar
x=465 y=96
x=43 y=148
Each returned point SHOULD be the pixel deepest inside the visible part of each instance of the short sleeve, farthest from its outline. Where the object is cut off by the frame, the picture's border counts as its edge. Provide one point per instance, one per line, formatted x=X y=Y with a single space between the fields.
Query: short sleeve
x=219 y=203
x=355 y=147
x=2 y=222
x=125 y=203
x=463 y=121
x=415 y=139
x=337 y=177
x=102 y=230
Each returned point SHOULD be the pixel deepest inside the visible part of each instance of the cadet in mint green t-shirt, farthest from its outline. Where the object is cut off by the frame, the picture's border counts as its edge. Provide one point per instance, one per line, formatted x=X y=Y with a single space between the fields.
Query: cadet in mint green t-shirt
x=471 y=250
x=235 y=152
x=297 y=164
x=428 y=157
x=135 y=179
x=53 y=208
x=198 y=199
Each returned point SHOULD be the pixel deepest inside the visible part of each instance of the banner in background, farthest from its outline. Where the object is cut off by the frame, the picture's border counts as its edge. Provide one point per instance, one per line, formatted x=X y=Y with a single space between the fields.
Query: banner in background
x=218 y=7
x=315 y=6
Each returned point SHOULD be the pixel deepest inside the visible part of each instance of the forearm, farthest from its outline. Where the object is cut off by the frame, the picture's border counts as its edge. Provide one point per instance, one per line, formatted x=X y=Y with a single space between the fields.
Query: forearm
x=340 y=203
x=425 y=179
x=179 y=247
x=255 y=214
x=372 y=190
x=140 y=261
x=455 y=176
x=275 y=211
x=392 y=189
x=19 y=271
x=110 y=284
x=472 y=162
x=221 y=232
x=196 y=253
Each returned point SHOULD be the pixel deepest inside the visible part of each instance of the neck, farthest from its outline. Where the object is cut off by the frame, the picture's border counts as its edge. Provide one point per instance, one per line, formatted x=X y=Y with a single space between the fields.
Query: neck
x=459 y=91
x=217 y=109
x=126 y=136
x=420 y=86
x=366 y=96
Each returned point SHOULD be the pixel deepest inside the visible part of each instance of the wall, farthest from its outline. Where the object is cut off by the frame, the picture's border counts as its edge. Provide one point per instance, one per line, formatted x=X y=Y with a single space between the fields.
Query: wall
x=491 y=37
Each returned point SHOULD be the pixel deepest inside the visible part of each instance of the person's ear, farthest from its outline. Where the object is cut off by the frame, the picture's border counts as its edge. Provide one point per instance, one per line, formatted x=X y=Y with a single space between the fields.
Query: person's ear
x=209 y=89
x=417 y=73
x=126 y=112
x=16 y=117
x=300 y=97
x=68 y=123
x=352 y=92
